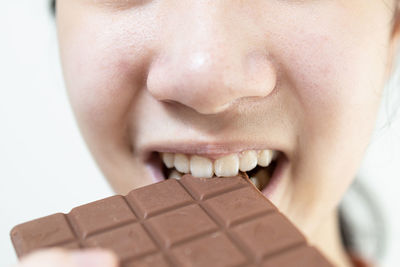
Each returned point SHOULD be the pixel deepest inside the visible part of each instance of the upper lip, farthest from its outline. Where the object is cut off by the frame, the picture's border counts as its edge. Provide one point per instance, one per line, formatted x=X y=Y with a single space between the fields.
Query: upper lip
x=211 y=150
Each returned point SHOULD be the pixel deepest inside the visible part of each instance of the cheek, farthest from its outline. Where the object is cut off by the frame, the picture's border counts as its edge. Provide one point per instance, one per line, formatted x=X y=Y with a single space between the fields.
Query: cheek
x=335 y=70
x=103 y=71
x=335 y=74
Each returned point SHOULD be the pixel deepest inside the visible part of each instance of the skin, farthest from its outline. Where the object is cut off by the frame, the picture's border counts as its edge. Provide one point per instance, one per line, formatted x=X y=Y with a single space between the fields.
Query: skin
x=63 y=258
x=304 y=77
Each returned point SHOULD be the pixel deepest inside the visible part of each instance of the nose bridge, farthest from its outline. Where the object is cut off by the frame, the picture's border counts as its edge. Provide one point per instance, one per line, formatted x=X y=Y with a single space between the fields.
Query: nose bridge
x=205 y=62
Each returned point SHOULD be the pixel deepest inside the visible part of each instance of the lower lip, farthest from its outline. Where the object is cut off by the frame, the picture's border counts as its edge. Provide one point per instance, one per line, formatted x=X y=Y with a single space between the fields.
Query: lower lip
x=277 y=176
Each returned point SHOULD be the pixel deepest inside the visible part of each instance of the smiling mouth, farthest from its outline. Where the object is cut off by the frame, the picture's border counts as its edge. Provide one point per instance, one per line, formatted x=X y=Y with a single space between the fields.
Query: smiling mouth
x=259 y=165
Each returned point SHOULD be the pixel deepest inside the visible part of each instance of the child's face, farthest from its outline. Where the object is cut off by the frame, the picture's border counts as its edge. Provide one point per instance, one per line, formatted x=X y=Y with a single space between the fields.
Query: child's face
x=301 y=77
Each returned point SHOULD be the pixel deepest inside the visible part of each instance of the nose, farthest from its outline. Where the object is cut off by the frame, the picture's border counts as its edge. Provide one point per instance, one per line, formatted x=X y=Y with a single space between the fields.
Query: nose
x=209 y=57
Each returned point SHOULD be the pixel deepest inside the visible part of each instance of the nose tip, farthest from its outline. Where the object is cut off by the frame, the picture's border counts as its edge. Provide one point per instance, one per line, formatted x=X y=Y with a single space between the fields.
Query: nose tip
x=210 y=82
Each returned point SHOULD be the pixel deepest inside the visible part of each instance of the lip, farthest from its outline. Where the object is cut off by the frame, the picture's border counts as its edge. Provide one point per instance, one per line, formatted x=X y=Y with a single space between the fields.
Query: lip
x=206 y=149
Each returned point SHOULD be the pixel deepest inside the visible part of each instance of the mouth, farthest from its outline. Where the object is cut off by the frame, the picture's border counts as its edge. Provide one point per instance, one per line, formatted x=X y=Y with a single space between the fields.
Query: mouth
x=263 y=167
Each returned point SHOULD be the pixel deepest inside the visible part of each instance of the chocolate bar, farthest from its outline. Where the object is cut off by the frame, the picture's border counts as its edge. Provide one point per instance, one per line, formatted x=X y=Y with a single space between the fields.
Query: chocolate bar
x=188 y=222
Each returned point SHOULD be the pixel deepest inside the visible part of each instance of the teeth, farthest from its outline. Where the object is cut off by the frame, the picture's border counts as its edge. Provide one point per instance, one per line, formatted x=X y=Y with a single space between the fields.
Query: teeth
x=227 y=166
x=201 y=167
x=264 y=157
x=168 y=159
x=181 y=163
x=260 y=179
x=175 y=174
x=255 y=181
x=248 y=160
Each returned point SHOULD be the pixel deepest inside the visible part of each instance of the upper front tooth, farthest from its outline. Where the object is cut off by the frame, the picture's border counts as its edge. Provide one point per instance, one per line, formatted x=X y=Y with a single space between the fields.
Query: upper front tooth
x=248 y=160
x=264 y=157
x=227 y=166
x=181 y=163
x=201 y=167
x=168 y=159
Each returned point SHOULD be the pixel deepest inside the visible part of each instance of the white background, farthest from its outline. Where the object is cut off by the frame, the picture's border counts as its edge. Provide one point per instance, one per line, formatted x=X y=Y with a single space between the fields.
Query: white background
x=44 y=164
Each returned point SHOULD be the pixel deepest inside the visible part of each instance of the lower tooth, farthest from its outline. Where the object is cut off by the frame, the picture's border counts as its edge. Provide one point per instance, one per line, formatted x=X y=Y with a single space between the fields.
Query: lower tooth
x=260 y=179
x=175 y=175
x=254 y=180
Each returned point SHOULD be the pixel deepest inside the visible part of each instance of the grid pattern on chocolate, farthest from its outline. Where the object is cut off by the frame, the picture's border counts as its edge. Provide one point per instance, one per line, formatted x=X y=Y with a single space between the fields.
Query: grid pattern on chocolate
x=187 y=222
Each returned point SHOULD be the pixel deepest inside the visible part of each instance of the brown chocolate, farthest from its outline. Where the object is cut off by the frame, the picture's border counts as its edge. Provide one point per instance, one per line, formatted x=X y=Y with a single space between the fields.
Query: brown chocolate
x=187 y=222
